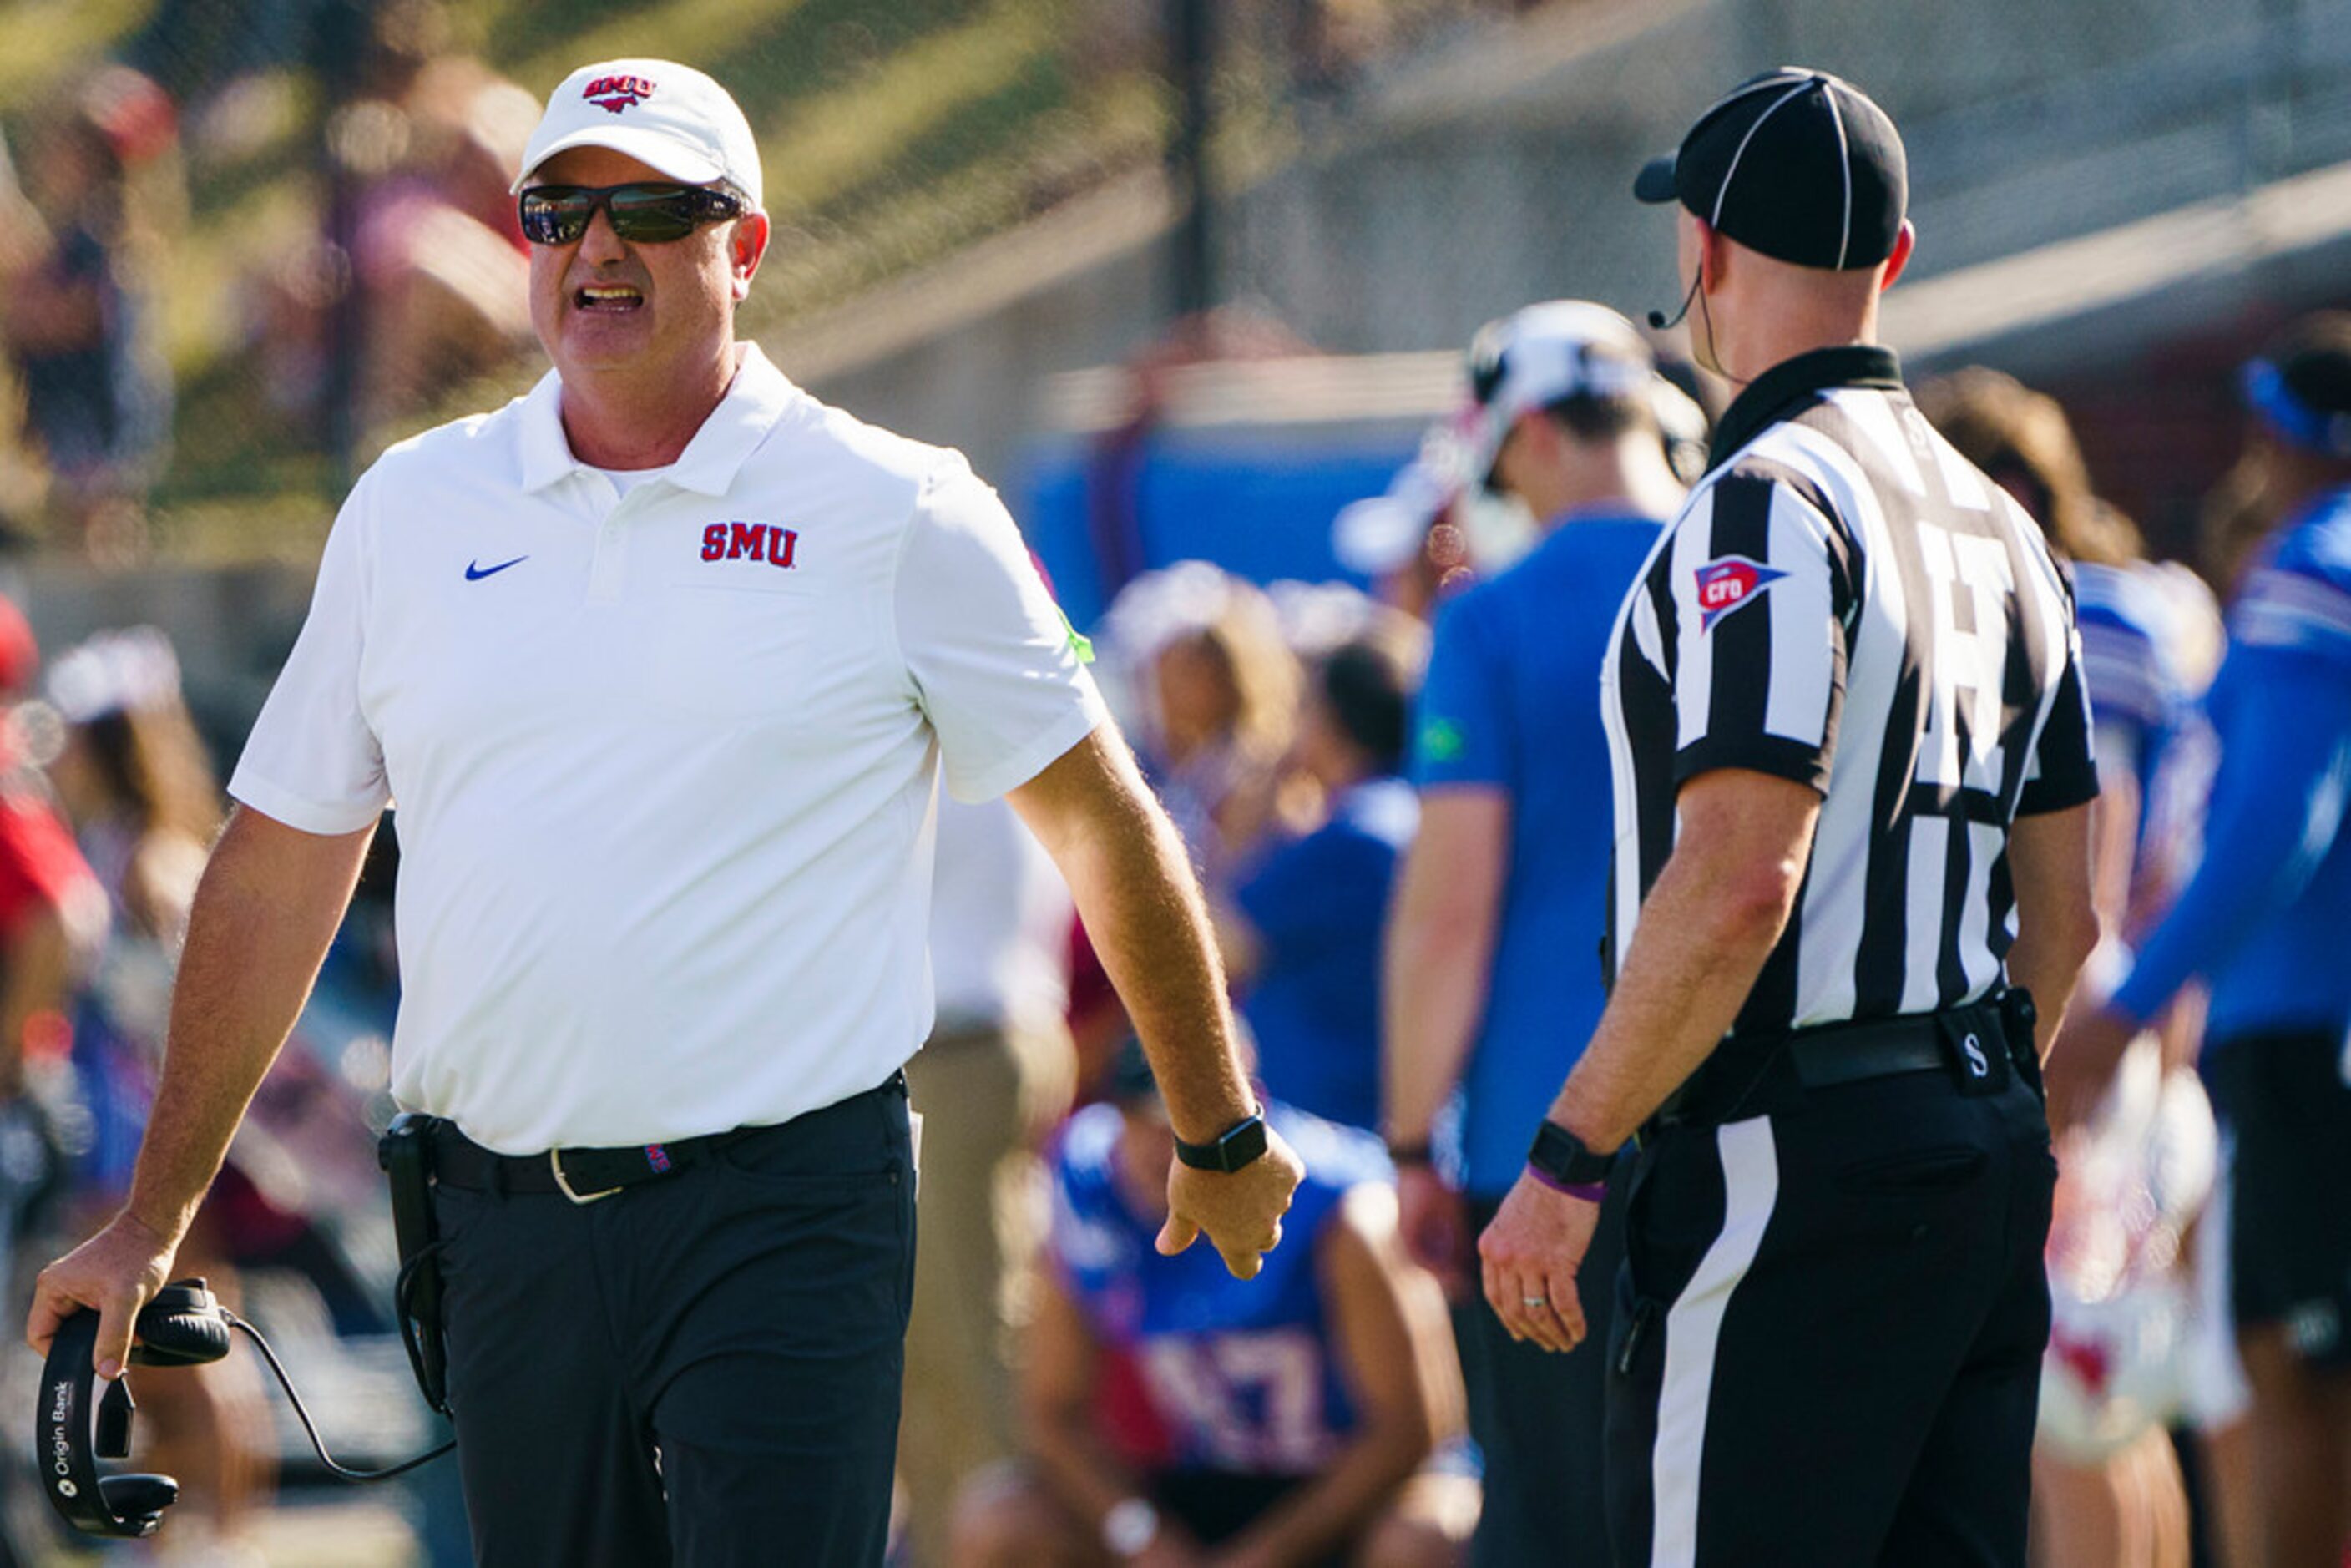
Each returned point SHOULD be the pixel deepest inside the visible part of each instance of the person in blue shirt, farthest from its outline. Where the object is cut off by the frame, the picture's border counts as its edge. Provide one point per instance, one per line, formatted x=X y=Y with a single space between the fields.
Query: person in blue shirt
x=1176 y=1416
x=2262 y=921
x=1305 y=937
x=1493 y=963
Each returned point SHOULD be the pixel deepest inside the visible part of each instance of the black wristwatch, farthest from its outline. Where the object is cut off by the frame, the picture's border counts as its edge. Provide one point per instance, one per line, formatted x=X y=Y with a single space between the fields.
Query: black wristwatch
x=1561 y=1155
x=1239 y=1144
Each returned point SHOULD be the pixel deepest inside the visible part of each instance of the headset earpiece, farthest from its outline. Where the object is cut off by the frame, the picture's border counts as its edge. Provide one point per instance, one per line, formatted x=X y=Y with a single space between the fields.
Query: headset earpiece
x=182 y=1326
x=141 y=1499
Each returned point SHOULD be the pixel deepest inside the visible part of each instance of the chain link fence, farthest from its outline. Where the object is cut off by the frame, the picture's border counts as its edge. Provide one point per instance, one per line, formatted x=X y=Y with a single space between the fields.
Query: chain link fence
x=251 y=240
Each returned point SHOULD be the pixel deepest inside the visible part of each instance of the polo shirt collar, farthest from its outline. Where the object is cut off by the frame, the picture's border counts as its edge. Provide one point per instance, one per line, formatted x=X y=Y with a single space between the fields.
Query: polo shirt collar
x=755 y=401
x=1768 y=395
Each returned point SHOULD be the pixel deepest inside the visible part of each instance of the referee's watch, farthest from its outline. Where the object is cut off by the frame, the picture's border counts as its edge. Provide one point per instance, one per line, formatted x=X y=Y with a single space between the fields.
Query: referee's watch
x=1238 y=1145
x=1128 y=1528
x=1562 y=1163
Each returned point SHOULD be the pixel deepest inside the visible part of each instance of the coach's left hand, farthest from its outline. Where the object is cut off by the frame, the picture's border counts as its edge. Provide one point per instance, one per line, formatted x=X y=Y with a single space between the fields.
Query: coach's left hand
x=1530 y=1253
x=1240 y=1211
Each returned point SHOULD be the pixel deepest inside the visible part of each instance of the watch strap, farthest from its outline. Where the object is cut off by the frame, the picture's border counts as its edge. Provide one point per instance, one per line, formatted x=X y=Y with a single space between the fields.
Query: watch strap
x=1563 y=1158
x=1237 y=1146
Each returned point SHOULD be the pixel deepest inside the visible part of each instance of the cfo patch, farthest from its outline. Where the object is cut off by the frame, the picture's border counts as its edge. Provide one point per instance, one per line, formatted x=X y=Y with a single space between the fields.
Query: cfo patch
x=1729 y=582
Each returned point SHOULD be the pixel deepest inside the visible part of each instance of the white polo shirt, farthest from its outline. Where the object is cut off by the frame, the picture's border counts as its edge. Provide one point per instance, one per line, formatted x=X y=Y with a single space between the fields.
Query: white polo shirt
x=665 y=762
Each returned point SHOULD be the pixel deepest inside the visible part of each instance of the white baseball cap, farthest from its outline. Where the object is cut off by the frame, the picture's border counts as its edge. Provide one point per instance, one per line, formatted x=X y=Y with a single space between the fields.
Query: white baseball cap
x=1545 y=354
x=668 y=116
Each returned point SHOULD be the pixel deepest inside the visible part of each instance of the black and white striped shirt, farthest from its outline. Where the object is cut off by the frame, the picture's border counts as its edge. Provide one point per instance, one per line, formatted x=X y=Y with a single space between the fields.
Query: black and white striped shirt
x=1846 y=601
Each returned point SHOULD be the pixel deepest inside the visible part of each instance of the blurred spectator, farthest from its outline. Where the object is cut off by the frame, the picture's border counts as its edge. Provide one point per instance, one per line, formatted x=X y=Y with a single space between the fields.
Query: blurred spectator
x=1493 y=973
x=52 y=920
x=135 y=783
x=1172 y=1409
x=79 y=313
x=1304 y=937
x=431 y=142
x=134 y=780
x=2262 y=921
x=1228 y=710
x=1195 y=662
x=2106 y=1483
x=995 y=1076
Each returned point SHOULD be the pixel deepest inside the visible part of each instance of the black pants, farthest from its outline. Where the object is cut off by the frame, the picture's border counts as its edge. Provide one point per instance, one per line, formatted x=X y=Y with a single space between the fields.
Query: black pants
x=1536 y=1416
x=700 y=1370
x=1829 y=1333
x=2287 y=1103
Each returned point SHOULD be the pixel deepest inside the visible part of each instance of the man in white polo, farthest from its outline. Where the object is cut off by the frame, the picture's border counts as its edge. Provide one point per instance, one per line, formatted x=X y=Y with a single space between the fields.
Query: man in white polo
x=661 y=663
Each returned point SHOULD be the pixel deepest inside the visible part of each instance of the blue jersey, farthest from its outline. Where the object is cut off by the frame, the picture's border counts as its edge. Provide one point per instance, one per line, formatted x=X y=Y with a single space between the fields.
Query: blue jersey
x=1512 y=702
x=1235 y=1375
x=2138 y=693
x=2264 y=919
x=1318 y=906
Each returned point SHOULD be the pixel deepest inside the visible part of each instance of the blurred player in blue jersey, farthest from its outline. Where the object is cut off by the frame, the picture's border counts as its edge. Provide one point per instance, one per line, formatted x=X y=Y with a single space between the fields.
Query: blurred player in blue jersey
x=2139 y=692
x=1178 y=1416
x=2264 y=921
x=2127 y=1500
x=1493 y=968
x=1304 y=937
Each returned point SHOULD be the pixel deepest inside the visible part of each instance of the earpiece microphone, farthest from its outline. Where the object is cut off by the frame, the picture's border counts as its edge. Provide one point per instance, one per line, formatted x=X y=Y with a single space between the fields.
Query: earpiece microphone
x=1657 y=321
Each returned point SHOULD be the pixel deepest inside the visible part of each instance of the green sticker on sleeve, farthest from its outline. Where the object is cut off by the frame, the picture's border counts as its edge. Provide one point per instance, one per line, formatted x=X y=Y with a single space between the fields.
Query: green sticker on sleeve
x=1440 y=740
x=1079 y=645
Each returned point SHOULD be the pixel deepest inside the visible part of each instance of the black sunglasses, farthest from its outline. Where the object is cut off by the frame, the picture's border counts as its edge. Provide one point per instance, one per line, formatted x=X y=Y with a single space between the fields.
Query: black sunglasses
x=650 y=212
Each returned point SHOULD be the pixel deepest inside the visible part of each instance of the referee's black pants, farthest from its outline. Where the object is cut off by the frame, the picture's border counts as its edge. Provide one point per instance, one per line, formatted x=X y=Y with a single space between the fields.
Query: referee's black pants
x=1831 y=1319
x=699 y=1370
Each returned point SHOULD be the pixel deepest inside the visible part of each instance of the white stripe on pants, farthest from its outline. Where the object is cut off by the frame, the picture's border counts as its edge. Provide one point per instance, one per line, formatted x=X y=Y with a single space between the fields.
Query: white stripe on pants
x=1750 y=1185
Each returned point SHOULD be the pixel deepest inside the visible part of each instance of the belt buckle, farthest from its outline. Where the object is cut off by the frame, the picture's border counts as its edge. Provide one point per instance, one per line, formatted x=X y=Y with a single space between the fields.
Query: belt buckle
x=555 y=1164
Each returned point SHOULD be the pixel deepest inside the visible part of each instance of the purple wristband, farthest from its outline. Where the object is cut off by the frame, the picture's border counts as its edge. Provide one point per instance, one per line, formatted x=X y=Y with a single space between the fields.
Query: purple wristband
x=1589 y=1191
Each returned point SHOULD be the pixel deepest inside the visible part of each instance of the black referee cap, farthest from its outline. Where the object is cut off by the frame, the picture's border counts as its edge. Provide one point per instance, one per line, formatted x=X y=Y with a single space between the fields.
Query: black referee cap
x=1797 y=164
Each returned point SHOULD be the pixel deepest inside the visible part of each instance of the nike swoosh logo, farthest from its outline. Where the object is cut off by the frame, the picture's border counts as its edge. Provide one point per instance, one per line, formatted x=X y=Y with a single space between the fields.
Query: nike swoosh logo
x=475 y=570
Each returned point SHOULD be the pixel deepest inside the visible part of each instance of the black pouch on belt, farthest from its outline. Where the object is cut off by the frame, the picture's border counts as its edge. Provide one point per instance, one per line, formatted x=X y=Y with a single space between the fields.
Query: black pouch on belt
x=405 y=1153
x=2022 y=1019
x=1976 y=1046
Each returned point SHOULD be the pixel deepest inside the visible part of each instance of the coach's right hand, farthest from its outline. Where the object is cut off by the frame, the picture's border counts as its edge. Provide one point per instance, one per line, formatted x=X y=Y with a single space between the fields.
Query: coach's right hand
x=117 y=1271
x=1240 y=1210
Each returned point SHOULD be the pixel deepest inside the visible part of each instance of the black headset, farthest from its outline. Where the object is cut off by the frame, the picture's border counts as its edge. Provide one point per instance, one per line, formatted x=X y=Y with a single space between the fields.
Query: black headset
x=182 y=1326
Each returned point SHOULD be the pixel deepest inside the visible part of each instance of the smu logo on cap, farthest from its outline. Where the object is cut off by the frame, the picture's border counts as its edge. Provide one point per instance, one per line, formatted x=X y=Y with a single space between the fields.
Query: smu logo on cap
x=1726 y=584
x=614 y=94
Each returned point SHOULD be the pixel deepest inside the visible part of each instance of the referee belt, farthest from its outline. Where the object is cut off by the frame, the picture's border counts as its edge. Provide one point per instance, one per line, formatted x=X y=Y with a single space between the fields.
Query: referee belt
x=581 y=1174
x=1999 y=1027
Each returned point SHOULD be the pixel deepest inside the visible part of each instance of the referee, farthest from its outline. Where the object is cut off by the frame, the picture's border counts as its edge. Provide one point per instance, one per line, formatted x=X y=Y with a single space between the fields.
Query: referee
x=1853 y=779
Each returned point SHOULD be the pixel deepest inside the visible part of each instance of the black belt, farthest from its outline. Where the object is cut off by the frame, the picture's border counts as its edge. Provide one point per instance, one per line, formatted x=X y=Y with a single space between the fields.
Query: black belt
x=1855 y=1054
x=583 y=1176
x=1736 y=1084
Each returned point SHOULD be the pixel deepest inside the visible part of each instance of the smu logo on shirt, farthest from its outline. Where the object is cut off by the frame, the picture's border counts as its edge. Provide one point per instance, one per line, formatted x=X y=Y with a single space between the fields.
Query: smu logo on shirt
x=771 y=542
x=613 y=94
x=1726 y=584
